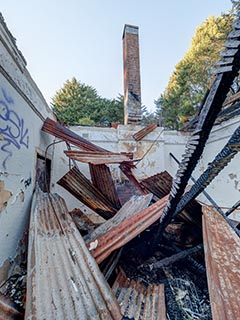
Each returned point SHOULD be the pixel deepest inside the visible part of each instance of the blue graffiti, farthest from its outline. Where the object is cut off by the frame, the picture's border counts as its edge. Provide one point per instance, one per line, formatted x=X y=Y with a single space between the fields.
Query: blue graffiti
x=12 y=128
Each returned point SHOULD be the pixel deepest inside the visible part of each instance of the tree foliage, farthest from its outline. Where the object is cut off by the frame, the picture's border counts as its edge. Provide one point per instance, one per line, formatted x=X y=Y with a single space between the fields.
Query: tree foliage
x=78 y=103
x=191 y=77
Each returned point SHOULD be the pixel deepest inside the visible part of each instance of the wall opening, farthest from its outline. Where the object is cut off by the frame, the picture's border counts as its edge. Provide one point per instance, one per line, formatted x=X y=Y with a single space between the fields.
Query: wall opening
x=43 y=172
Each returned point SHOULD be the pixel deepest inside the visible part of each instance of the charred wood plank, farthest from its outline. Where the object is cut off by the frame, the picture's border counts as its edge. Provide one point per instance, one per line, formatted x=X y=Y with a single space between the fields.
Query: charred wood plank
x=232 y=43
x=216 y=96
x=234 y=34
x=221 y=160
x=174 y=258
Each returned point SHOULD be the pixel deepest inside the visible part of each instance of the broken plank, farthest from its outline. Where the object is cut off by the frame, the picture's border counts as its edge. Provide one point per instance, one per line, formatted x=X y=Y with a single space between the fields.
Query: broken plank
x=174 y=258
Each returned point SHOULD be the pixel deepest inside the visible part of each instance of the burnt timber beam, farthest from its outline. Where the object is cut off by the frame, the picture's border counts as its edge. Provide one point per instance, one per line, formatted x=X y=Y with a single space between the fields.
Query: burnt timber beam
x=174 y=258
x=194 y=148
x=217 y=165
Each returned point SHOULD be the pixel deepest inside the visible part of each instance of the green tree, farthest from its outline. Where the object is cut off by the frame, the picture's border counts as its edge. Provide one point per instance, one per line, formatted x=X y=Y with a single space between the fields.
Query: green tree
x=191 y=77
x=77 y=103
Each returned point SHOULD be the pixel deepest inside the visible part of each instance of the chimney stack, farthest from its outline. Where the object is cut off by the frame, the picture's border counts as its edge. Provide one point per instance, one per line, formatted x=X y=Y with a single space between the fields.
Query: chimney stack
x=131 y=72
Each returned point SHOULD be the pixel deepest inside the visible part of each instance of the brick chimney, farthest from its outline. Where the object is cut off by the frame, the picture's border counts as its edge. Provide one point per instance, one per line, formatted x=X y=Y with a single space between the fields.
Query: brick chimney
x=131 y=73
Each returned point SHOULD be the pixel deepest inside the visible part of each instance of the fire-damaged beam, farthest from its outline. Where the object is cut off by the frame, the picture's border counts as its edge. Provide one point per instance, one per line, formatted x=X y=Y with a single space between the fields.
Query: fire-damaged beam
x=172 y=259
x=210 y=199
x=217 y=165
x=222 y=256
x=80 y=187
x=102 y=179
x=63 y=279
x=144 y=132
x=139 y=302
x=194 y=148
x=95 y=157
x=116 y=235
x=57 y=130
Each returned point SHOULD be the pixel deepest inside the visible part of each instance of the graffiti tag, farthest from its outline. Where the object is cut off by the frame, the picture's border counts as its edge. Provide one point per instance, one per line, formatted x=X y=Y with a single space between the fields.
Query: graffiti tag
x=12 y=128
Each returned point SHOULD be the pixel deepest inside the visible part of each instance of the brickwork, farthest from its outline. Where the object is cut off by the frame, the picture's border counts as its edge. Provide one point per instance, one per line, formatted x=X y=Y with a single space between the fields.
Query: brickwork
x=131 y=69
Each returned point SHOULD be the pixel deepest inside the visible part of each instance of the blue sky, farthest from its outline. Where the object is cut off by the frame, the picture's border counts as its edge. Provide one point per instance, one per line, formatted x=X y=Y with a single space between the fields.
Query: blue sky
x=61 y=39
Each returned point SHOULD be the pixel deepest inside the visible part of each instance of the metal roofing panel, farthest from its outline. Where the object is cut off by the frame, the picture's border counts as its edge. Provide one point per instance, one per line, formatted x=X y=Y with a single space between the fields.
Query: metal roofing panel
x=143 y=132
x=222 y=256
x=117 y=235
x=99 y=157
x=103 y=181
x=160 y=185
x=139 y=302
x=56 y=129
x=63 y=281
x=80 y=187
x=129 y=209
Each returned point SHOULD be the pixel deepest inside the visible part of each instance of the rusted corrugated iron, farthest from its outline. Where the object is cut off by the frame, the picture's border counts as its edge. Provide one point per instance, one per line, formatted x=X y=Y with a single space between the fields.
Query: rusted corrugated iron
x=139 y=302
x=8 y=309
x=52 y=127
x=118 y=234
x=103 y=181
x=128 y=210
x=222 y=256
x=63 y=280
x=80 y=187
x=127 y=170
x=99 y=157
x=160 y=185
x=144 y=132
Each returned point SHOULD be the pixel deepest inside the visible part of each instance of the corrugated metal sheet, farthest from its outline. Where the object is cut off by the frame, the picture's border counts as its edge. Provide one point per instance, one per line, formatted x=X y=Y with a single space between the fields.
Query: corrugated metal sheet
x=138 y=302
x=52 y=127
x=222 y=256
x=118 y=234
x=80 y=187
x=99 y=157
x=127 y=170
x=8 y=309
x=64 y=281
x=144 y=132
x=129 y=209
x=160 y=185
x=103 y=181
